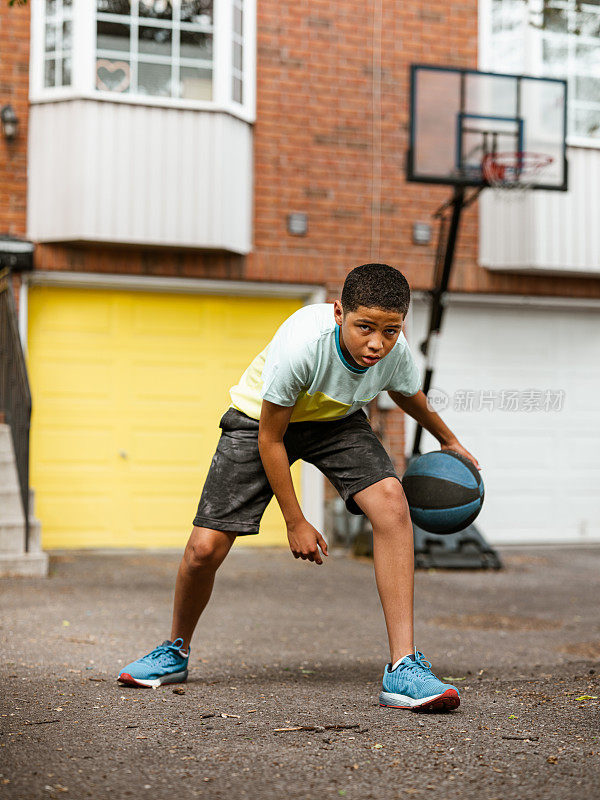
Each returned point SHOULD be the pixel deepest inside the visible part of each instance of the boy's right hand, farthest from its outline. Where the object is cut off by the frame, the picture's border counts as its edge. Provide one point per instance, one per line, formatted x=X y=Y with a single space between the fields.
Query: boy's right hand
x=305 y=541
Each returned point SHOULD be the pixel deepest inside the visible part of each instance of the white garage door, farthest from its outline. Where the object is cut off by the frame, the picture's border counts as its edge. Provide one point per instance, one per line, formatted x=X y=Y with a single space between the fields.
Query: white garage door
x=521 y=387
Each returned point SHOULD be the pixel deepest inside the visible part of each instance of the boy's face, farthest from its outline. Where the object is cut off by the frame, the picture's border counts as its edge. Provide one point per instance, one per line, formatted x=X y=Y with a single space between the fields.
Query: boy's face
x=367 y=334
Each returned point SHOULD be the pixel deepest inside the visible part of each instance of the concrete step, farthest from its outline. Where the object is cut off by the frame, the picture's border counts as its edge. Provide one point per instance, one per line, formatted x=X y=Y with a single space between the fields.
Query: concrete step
x=24 y=565
x=11 y=506
x=9 y=484
x=6 y=445
x=8 y=472
x=12 y=536
x=12 y=516
x=9 y=476
x=6 y=457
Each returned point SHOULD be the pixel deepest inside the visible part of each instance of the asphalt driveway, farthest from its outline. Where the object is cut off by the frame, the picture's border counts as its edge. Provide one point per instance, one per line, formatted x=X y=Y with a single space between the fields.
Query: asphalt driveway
x=286 y=645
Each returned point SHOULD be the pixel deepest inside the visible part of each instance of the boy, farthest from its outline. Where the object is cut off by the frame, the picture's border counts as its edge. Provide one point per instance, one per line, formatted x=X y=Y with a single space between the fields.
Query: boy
x=302 y=397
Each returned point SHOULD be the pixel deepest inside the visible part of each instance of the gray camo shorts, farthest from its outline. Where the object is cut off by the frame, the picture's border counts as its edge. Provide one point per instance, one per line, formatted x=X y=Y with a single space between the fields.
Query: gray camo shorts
x=237 y=491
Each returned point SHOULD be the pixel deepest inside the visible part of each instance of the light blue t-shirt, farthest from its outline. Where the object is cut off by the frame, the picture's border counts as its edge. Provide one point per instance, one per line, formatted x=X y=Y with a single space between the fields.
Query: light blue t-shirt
x=303 y=366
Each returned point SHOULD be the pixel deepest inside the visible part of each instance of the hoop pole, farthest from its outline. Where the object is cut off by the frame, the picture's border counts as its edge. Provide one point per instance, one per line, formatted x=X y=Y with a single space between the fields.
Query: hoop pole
x=444 y=262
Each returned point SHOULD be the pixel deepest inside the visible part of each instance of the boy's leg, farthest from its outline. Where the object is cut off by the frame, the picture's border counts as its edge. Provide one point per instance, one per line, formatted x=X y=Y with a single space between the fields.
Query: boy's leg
x=204 y=553
x=385 y=505
x=235 y=495
x=408 y=683
x=355 y=461
x=352 y=457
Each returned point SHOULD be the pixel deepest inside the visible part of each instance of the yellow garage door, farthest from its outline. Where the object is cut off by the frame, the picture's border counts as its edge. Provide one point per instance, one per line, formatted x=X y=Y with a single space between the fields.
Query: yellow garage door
x=128 y=389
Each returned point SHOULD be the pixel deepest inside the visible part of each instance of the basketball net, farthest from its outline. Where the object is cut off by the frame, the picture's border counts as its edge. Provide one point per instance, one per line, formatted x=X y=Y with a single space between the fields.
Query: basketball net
x=512 y=174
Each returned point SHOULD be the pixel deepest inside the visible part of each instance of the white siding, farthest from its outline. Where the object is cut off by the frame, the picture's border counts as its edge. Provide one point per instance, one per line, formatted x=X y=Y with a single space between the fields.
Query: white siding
x=112 y=172
x=550 y=232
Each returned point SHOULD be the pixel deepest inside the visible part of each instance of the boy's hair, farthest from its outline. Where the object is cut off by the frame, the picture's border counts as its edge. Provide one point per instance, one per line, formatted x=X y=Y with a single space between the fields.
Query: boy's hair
x=376 y=286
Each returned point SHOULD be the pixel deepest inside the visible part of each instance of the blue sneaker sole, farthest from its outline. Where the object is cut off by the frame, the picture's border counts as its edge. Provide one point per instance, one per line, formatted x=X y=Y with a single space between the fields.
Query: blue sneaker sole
x=153 y=683
x=447 y=701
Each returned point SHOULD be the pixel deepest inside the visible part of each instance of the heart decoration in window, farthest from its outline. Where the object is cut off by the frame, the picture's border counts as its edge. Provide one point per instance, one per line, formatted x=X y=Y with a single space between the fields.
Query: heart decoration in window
x=112 y=76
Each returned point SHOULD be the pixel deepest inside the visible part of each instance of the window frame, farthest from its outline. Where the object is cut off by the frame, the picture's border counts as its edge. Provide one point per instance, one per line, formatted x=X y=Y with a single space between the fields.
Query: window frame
x=533 y=61
x=83 y=70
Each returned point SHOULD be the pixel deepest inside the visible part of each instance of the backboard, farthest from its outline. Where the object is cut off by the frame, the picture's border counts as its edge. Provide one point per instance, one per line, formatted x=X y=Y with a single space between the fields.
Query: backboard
x=458 y=117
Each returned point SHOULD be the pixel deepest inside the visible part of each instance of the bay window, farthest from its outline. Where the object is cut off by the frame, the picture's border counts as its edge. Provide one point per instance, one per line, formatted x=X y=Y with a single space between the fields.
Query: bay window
x=186 y=53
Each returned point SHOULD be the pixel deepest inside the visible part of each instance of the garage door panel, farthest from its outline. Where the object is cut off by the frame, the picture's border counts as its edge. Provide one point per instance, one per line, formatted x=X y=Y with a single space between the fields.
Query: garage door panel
x=518 y=377
x=578 y=327
x=179 y=381
x=581 y=451
x=486 y=335
x=69 y=445
x=511 y=453
x=89 y=315
x=79 y=518
x=582 y=392
x=503 y=447
x=522 y=512
x=164 y=447
x=178 y=351
x=79 y=380
x=153 y=513
x=126 y=404
x=154 y=320
x=493 y=377
x=229 y=317
x=578 y=491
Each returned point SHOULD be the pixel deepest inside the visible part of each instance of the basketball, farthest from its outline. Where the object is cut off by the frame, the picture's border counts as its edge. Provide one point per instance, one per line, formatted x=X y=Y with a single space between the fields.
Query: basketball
x=444 y=491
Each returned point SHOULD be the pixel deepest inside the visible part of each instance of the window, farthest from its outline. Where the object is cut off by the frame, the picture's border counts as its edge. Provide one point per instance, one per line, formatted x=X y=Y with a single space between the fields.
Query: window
x=237 y=80
x=187 y=53
x=557 y=39
x=58 y=37
x=155 y=47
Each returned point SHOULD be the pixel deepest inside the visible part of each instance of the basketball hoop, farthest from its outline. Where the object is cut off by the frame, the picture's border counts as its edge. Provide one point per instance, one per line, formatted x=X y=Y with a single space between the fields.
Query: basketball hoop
x=514 y=171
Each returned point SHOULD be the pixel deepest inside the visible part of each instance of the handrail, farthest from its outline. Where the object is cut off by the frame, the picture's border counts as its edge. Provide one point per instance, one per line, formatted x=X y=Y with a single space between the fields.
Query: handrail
x=15 y=395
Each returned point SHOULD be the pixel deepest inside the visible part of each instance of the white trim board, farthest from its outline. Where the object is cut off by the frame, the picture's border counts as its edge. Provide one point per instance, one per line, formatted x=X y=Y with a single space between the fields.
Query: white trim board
x=512 y=300
x=151 y=283
x=312 y=480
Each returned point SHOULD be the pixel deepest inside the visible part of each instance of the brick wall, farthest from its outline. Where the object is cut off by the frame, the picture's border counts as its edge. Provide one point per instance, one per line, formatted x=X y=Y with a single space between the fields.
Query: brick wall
x=14 y=90
x=330 y=132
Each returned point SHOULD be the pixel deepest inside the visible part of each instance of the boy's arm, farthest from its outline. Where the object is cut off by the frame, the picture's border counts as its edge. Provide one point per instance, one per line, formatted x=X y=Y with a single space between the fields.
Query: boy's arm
x=303 y=538
x=416 y=407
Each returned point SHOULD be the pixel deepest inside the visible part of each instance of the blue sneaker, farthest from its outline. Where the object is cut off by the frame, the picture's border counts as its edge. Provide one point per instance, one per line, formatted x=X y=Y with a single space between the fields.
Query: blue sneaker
x=410 y=683
x=167 y=663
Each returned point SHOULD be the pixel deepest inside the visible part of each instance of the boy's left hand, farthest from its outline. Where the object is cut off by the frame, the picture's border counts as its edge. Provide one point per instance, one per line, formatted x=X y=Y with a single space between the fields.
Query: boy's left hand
x=458 y=448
